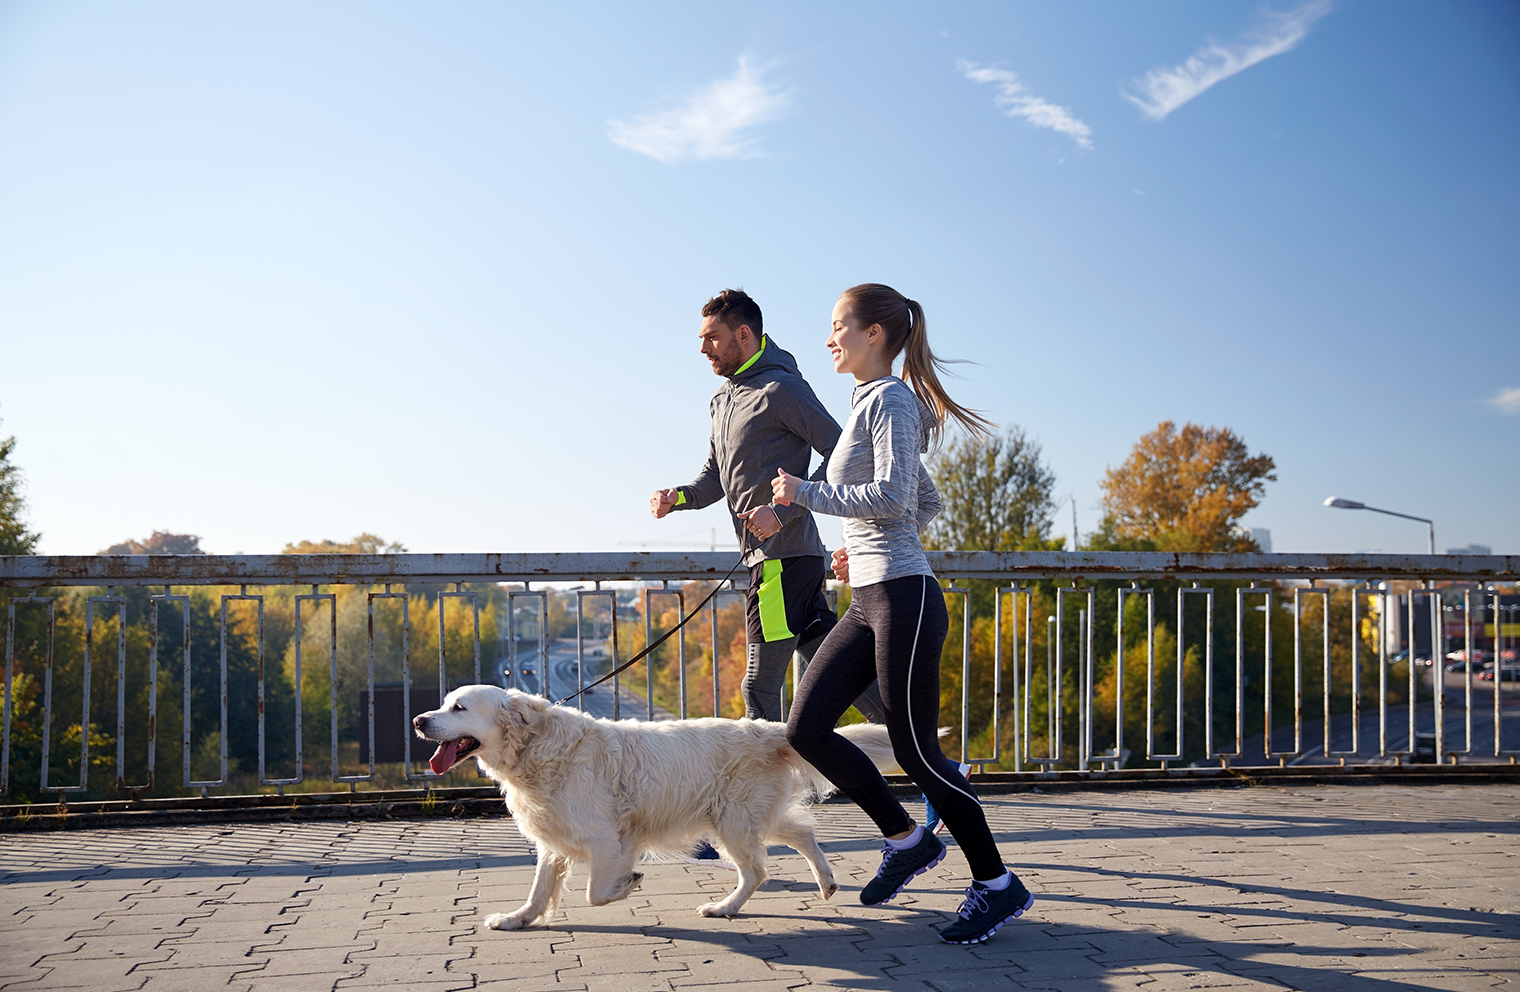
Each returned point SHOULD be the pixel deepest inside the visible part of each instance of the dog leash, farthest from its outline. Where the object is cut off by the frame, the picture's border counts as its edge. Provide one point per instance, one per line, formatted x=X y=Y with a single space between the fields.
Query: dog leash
x=743 y=550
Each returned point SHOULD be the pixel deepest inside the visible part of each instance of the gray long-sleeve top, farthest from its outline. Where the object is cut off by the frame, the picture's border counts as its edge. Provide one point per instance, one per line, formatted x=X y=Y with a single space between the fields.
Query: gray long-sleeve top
x=764 y=417
x=876 y=481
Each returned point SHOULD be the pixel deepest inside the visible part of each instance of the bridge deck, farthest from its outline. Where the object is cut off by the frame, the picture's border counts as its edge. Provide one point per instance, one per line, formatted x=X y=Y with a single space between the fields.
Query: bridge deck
x=1359 y=888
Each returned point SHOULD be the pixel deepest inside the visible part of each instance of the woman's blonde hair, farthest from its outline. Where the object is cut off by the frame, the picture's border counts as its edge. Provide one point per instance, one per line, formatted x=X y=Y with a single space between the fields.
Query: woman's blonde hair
x=902 y=320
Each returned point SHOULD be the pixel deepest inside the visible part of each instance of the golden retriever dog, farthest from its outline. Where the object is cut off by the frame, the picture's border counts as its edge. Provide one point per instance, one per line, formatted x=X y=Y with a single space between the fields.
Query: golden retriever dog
x=603 y=792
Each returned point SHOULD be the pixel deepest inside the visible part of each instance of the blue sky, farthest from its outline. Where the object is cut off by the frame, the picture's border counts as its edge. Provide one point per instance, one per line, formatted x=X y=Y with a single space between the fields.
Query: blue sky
x=273 y=272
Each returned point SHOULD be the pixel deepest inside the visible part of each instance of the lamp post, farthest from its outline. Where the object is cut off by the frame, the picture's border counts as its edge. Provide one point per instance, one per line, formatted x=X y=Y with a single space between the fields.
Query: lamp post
x=1351 y=504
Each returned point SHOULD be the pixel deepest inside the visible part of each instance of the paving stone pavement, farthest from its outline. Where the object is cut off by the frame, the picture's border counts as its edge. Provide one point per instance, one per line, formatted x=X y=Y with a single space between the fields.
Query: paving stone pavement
x=1314 y=888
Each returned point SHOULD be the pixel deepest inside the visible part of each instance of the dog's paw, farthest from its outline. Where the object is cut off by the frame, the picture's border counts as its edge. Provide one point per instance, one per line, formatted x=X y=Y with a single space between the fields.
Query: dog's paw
x=503 y=921
x=601 y=896
x=716 y=909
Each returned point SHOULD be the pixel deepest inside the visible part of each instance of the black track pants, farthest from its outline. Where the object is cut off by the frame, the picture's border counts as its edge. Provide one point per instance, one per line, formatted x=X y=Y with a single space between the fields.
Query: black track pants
x=892 y=632
x=766 y=674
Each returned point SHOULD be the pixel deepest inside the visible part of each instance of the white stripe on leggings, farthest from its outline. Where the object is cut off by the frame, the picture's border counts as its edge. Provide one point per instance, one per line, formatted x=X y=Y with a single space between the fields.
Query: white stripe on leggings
x=924 y=598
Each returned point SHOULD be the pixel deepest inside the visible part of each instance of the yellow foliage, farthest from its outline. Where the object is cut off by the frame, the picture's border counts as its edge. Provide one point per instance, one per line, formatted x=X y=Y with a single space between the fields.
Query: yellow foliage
x=1184 y=490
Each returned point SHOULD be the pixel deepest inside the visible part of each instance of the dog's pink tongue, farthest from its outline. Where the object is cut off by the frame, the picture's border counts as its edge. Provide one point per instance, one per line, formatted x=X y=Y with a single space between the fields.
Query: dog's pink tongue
x=443 y=758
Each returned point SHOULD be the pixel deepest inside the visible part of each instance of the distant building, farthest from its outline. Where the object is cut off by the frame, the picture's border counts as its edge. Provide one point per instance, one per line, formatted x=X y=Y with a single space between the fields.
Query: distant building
x=1263 y=538
x=1493 y=615
x=1471 y=549
x=526 y=622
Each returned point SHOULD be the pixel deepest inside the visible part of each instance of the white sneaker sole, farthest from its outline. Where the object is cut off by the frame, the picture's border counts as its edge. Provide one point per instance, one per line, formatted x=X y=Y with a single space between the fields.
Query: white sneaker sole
x=995 y=927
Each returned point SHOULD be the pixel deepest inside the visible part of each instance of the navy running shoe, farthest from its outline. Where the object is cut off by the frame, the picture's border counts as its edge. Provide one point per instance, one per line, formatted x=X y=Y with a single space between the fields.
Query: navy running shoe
x=707 y=855
x=899 y=867
x=985 y=910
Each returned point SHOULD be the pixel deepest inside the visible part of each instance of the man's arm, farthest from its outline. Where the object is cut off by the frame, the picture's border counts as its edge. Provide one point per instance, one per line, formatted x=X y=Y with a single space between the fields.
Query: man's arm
x=811 y=421
x=706 y=489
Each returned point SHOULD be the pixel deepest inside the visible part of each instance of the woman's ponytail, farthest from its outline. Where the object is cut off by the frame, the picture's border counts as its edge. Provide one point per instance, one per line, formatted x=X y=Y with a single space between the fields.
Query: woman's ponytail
x=903 y=321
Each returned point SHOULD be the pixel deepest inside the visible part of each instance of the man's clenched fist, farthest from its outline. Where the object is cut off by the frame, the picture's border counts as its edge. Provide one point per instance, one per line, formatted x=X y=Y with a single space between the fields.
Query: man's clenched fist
x=662 y=502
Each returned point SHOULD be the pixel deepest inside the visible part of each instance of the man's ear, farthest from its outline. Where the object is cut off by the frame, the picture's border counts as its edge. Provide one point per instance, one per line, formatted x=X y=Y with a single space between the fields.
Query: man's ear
x=746 y=335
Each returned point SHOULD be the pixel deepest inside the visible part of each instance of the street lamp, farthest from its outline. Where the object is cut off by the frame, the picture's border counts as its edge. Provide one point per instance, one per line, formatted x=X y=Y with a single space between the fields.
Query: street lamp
x=1351 y=504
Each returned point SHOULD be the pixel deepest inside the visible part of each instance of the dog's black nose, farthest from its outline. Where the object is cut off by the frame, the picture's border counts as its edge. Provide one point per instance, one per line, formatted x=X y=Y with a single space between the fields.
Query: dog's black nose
x=418 y=721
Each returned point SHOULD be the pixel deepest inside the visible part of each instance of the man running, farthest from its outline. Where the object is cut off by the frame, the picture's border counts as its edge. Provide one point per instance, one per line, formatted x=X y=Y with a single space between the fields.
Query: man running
x=765 y=417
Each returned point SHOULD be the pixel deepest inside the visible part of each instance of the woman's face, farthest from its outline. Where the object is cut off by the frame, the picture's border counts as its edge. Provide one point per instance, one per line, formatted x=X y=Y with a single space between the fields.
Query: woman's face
x=855 y=349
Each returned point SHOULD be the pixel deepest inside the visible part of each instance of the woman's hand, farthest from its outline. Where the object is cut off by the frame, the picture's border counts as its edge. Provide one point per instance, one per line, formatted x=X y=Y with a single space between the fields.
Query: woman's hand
x=784 y=488
x=761 y=521
x=842 y=564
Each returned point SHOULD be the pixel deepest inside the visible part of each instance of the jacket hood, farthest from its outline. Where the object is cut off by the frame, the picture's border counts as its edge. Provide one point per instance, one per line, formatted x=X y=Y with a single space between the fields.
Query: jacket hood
x=771 y=357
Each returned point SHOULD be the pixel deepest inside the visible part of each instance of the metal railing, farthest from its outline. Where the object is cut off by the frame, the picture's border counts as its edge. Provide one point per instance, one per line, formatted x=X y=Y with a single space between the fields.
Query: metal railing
x=1012 y=715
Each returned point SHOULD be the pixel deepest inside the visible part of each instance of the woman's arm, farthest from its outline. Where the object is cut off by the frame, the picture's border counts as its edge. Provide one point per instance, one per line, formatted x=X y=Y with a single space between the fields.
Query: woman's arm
x=882 y=481
x=928 y=500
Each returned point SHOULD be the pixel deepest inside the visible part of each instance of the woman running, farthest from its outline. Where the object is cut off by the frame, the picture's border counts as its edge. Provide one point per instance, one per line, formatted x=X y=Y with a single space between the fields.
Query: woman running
x=896 y=623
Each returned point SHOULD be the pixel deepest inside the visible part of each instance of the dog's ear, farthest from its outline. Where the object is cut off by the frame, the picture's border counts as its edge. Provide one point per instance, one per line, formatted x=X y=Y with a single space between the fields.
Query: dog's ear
x=518 y=714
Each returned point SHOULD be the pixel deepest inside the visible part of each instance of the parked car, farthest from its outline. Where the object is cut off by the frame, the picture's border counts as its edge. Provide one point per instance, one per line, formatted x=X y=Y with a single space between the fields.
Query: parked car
x=1456 y=661
x=1507 y=673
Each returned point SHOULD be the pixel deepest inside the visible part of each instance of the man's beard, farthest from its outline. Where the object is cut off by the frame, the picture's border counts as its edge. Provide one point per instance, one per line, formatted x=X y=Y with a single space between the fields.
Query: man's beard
x=729 y=361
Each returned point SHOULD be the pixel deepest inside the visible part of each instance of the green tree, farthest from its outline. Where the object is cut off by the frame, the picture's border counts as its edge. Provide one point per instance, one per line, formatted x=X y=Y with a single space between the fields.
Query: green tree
x=996 y=494
x=15 y=539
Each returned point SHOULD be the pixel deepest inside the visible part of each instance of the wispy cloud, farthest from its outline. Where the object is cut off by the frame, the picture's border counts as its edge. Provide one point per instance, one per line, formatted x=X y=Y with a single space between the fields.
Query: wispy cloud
x=1014 y=99
x=715 y=122
x=1162 y=91
x=1508 y=400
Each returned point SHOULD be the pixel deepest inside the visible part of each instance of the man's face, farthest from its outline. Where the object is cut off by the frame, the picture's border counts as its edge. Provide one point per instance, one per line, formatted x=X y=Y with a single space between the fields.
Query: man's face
x=723 y=346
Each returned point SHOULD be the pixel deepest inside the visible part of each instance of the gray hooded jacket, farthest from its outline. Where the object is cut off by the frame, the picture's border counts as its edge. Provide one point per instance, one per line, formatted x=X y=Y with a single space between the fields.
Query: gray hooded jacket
x=764 y=417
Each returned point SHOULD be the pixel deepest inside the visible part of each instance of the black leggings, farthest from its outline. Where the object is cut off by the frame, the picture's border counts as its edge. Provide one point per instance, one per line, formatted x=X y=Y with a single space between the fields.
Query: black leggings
x=893 y=632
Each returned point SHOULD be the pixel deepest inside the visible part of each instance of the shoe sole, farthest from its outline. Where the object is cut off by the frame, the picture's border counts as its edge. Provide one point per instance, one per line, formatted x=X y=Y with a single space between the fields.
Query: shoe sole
x=995 y=927
x=943 y=850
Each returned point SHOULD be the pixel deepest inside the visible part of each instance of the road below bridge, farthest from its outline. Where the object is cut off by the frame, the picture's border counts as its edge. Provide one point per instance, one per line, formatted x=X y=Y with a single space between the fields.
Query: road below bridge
x=567 y=670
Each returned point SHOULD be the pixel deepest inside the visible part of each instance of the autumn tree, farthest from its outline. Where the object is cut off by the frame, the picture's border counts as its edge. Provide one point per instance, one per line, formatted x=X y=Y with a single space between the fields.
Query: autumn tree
x=15 y=539
x=363 y=544
x=160 y=542
x=996 y=494
x=1184 y=490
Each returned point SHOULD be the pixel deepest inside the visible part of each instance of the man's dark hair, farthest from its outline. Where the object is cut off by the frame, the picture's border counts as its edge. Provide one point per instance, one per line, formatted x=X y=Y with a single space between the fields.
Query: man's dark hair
x=734 y=308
